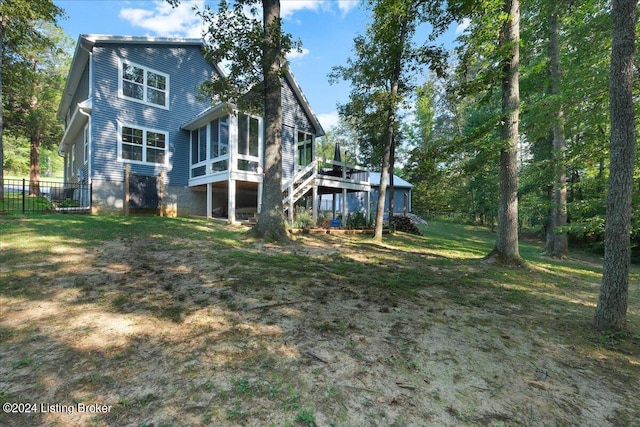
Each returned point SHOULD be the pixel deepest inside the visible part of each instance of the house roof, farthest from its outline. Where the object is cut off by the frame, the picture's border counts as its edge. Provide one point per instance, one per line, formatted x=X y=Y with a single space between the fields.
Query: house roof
x=77 y=121
x=374 y=180
x=87 y=41
x=207 y=115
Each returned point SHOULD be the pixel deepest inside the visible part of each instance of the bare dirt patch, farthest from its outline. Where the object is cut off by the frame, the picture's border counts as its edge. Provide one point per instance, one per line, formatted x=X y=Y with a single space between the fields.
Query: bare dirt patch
x=329 y=330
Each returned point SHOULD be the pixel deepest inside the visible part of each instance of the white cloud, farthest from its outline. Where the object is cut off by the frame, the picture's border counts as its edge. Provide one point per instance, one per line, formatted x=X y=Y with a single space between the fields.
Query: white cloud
x=346 y=5
x=294 y=54
x=166 y=21
x=329 y=120
x=289 y=7
x=462 y=26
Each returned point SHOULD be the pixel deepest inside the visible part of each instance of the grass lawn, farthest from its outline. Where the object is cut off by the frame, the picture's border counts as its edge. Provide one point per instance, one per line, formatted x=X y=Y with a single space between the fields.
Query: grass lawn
x=185 y=322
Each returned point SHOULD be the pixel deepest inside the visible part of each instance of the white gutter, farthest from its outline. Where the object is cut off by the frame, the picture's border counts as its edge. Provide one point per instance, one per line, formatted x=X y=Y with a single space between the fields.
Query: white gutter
x=88 y=145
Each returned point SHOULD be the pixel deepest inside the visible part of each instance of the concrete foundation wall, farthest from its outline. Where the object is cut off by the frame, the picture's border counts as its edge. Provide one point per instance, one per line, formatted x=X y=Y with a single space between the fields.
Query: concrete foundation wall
x=108 y=199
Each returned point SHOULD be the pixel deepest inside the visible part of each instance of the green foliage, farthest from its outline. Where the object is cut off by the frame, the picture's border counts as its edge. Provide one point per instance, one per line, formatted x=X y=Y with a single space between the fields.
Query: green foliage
x=33 y=80
x=26 y=30
x=302 y=218
x=356 y=220
x=16 y=158
x=237 y=39
x=306 y=418
x=16 y=155
x=384 y=54
x=454 y=141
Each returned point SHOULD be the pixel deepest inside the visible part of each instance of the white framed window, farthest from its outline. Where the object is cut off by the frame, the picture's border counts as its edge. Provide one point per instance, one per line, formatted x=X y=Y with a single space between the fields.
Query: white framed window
x=248 y=143
x=219 y=137
x=210 y=148
x=72 y=160
x=305 y=148
x=85 y=137
x=137 y=144
x=143 y=84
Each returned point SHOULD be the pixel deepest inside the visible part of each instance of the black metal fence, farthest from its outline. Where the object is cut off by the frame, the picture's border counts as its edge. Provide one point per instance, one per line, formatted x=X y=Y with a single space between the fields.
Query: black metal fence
x=20 y=195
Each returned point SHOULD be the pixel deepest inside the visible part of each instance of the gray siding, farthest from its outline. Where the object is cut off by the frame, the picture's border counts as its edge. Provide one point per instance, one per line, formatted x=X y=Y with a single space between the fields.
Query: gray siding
x=82 y=93
x=294 y=119
x=292 y=112
x=186 y=68
x=398 y=199
x=288 y=151
x=356 y=202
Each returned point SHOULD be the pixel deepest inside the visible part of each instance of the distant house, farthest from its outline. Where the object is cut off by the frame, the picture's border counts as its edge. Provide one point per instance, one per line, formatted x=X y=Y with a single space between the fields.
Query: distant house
x=367 y=202
x=401 y=192
x=131 y=104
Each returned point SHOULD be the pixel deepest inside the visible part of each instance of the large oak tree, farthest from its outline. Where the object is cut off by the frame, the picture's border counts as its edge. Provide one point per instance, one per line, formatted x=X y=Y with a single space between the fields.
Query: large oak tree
x=256 y=58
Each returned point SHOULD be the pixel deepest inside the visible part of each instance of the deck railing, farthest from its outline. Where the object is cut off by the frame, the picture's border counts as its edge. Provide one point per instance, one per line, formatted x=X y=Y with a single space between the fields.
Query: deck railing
x=345 y=171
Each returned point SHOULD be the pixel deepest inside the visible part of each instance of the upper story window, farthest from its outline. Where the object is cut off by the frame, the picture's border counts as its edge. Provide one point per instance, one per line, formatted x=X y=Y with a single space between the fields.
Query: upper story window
x=143 y=84
x=141 y=145
x=305 y=148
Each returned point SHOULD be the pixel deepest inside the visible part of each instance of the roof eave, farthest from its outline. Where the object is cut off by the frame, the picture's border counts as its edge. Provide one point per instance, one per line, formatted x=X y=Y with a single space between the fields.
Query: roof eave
x=305 y=103
x=211 y=113
x=79 y=117
x=78 y=64
x=85 y=45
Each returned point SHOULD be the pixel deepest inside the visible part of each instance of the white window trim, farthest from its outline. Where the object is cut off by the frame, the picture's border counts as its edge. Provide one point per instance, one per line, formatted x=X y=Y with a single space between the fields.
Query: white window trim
x=144 y=101
x=73 y=161
x=85 y=144
x=249 y=156
x=296 y=158
x=144 y=145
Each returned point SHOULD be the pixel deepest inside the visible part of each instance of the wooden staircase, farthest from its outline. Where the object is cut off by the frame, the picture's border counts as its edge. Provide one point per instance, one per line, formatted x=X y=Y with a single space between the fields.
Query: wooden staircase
x=296 y=187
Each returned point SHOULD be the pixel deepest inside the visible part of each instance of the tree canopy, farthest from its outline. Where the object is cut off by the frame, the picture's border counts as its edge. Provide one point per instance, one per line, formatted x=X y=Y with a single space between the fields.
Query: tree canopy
x=25 y=28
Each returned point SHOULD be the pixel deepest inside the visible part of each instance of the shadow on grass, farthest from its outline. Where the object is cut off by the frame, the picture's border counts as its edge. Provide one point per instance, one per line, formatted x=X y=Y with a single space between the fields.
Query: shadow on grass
x=129 y=299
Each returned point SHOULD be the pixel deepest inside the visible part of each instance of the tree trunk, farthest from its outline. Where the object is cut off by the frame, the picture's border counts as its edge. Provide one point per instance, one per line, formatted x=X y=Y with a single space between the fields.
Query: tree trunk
x=390 y=134
x=386 y=159
x=34 y=167
x=560 y=240
x=611 y=311
x=270 y=223
x=506 y=249
x=548 y=226
x=392 y=164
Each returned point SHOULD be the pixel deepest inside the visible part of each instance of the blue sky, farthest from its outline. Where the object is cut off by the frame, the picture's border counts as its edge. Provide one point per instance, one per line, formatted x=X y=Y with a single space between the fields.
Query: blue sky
x=326 y=28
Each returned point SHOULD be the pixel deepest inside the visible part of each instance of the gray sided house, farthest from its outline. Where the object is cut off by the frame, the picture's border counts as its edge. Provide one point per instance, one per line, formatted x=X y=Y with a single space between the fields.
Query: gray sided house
x=401 y=193
x=132 y=104
x=357 y=202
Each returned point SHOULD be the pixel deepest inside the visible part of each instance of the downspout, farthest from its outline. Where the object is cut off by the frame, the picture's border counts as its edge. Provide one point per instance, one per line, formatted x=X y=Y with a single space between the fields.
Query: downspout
x=88 y=145
x=89 y=148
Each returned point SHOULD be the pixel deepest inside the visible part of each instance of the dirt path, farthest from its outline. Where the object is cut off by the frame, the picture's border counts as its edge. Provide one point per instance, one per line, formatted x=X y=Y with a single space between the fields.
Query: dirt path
x=304 y=334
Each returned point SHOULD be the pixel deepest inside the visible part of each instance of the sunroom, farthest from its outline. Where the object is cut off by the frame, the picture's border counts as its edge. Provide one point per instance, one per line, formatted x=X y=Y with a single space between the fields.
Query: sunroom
x=225 y=161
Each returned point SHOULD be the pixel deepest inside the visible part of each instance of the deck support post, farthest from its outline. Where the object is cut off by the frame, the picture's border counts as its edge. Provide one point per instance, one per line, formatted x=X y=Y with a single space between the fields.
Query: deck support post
x=314 y=204
x=344 y=207
x=291 y=187
x=333 y=205
x=368 y=206
x=231 y=206
x=209 y=201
